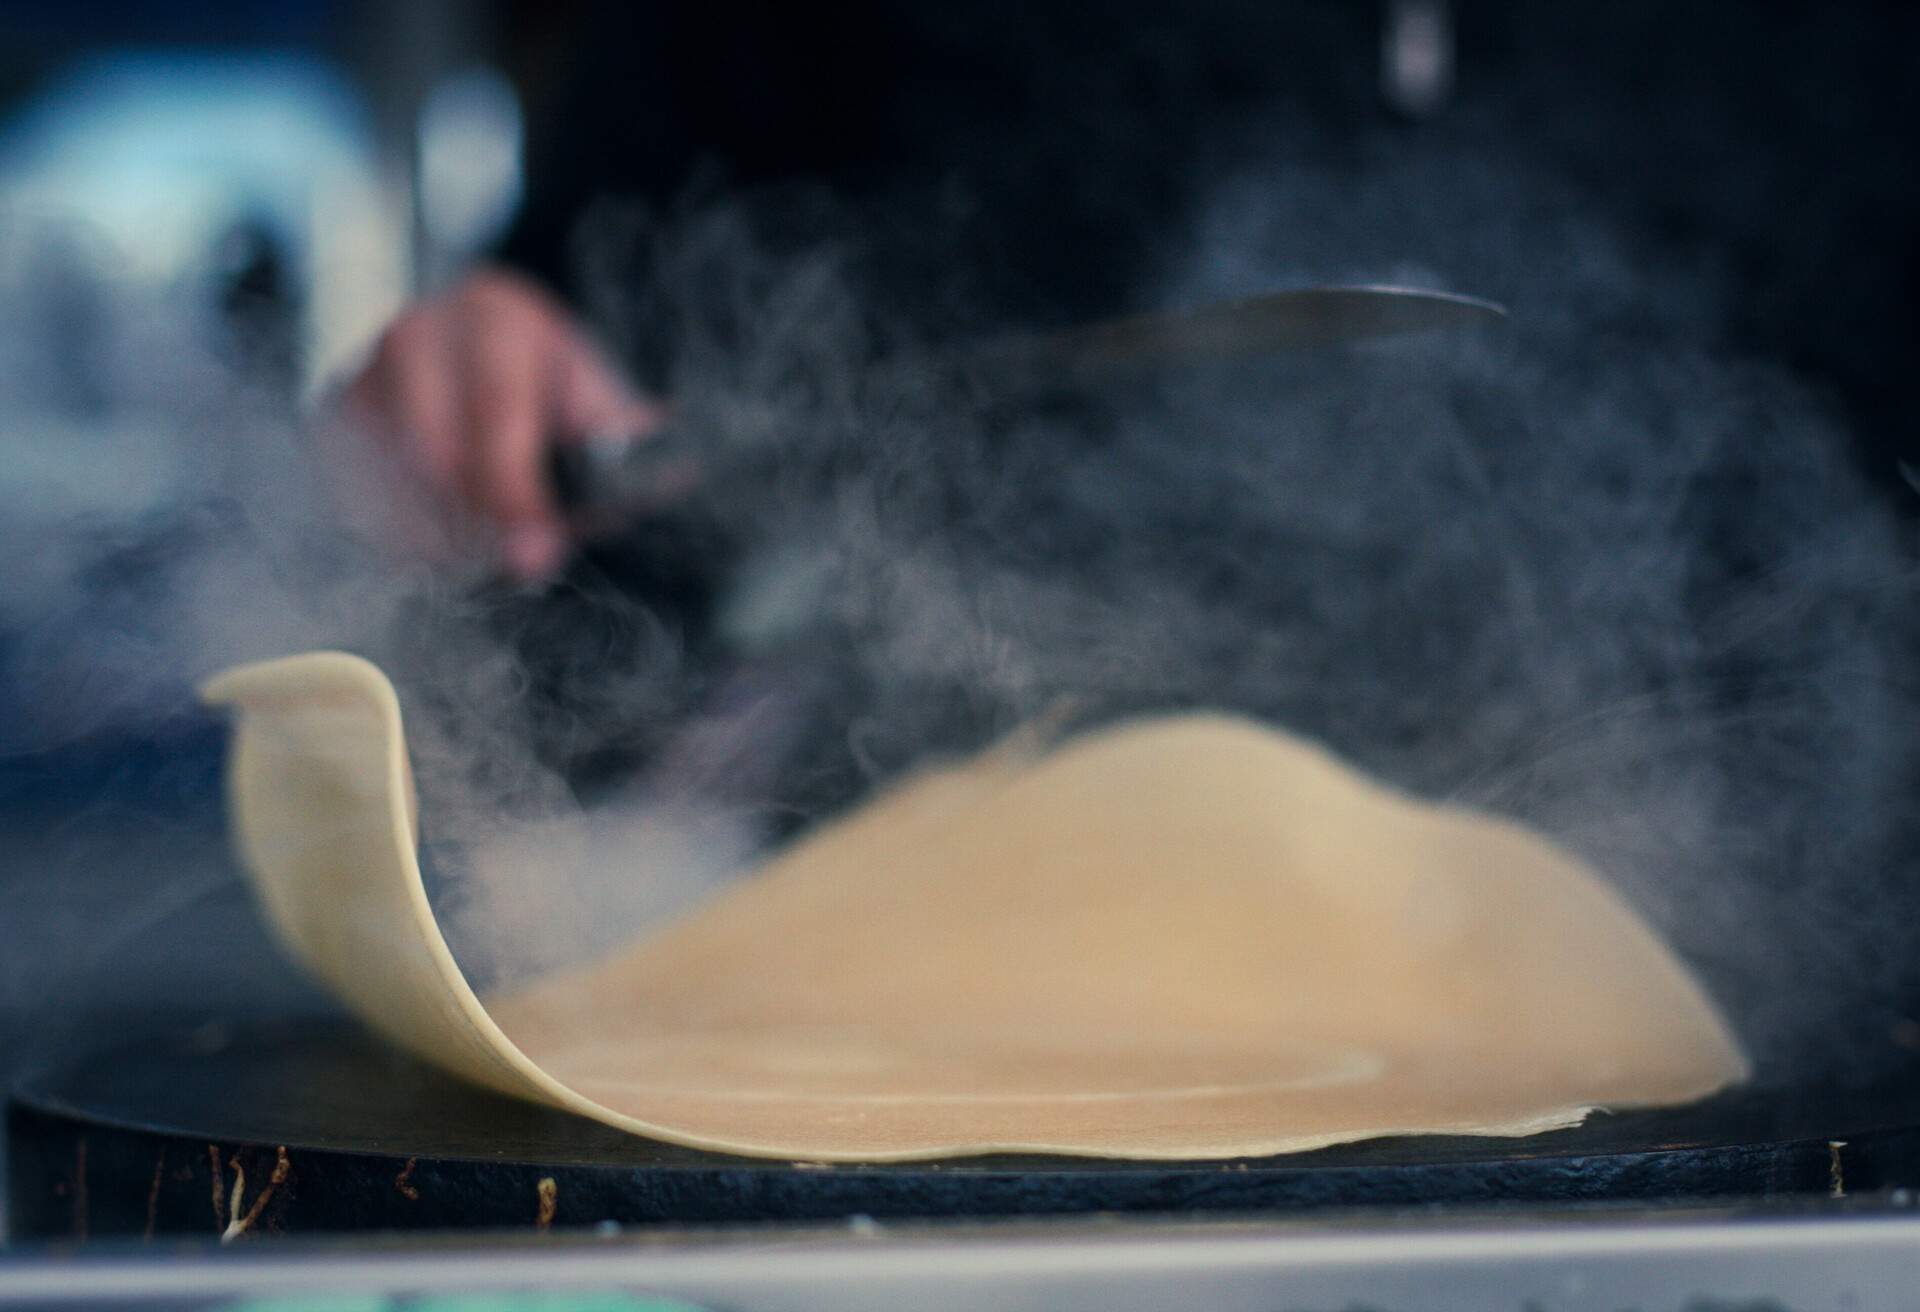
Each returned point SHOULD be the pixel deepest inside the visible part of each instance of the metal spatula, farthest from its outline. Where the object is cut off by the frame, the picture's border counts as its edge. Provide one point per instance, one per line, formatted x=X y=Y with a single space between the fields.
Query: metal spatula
x=610 y=474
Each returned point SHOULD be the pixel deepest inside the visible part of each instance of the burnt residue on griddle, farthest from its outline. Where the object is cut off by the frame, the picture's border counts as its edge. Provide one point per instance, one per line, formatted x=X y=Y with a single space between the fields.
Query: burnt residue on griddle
x=547 y=1203
x=403 y=1182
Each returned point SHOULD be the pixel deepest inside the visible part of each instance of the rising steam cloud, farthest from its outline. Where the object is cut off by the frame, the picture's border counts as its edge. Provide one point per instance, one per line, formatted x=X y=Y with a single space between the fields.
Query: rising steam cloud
x=1595 y=571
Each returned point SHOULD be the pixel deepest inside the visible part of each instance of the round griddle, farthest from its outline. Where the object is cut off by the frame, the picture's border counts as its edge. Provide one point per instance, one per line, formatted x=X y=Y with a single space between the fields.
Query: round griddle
x=126 y=1142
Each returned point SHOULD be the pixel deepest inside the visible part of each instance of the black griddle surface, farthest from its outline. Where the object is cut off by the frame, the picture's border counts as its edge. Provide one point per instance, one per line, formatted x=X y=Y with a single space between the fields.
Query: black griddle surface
x=121 y=1142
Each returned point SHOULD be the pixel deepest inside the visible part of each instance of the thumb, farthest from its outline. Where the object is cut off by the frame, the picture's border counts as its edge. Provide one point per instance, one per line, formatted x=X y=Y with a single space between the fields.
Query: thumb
x=534 y=550
x=592 y=397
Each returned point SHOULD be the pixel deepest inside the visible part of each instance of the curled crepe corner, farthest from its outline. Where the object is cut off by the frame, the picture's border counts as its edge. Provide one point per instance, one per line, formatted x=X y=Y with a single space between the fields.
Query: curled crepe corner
x=1185 y=937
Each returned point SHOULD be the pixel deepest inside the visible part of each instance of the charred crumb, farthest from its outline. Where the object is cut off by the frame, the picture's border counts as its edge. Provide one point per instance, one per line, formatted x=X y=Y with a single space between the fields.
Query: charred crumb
x=547 y=1197
x=238 y=1224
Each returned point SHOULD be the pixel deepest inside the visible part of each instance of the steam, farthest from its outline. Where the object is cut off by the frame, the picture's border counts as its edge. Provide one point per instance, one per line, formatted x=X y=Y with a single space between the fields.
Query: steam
x=1596 y=572
x=1601 y=572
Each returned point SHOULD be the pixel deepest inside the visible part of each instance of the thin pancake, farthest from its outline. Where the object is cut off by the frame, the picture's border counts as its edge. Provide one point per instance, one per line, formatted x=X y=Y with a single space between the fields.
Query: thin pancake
x=1185 y=937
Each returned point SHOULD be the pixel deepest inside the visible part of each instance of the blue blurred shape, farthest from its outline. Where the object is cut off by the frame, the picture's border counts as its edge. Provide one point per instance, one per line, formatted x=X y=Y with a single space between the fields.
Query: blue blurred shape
x=161 y=153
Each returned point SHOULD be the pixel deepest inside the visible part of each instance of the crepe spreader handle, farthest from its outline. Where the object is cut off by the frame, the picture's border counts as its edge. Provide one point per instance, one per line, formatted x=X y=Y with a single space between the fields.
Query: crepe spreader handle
x=615 y=472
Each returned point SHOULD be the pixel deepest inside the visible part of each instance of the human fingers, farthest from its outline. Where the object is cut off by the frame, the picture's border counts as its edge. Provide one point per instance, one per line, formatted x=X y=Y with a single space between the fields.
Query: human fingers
x=407 y=396
x=592 y=399
x=510 y=353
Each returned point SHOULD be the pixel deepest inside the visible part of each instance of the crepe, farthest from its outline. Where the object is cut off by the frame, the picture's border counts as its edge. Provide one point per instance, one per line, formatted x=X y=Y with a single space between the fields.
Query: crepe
x=1184 y=937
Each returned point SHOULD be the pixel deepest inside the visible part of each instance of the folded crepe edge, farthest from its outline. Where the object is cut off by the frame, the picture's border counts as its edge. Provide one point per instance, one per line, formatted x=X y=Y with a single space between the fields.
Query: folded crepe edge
x=253 y=690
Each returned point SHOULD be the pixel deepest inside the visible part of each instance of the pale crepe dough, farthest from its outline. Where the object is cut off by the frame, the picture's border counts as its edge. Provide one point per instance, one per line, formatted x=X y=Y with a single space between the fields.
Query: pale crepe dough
x=1187 y=937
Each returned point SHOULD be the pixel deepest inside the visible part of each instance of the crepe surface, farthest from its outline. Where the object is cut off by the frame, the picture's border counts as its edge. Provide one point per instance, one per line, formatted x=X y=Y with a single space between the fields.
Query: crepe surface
x=1185 y=937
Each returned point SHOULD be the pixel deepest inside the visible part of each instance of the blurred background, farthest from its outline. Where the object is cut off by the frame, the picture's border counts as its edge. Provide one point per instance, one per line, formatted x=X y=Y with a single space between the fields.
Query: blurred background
x=208 y=213
x=195 y=202
x=307 y=167
x=308 y=164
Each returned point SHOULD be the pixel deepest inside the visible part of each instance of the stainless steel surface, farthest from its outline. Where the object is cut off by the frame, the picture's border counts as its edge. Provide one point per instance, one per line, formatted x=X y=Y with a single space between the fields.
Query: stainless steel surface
x=1861 y=1263
x=1250 y=327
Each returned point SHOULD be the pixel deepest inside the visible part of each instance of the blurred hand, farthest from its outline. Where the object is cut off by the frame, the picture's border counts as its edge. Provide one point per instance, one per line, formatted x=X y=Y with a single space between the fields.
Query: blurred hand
x=473 y=387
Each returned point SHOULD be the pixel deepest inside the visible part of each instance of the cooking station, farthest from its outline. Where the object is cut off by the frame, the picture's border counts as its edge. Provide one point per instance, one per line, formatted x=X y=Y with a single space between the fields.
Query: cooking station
x=124 y=1146
x=1510 y=398
x=348 y=1169
x=368 y=1174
